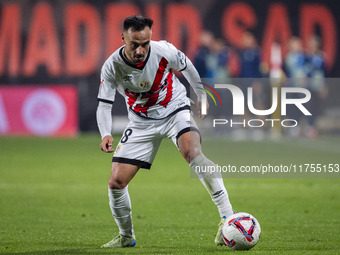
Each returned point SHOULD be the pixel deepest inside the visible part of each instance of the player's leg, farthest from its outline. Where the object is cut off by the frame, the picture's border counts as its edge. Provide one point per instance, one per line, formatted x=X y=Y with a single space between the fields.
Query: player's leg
x=120 y=204
x=187 y=138
x=136 y=149
x=183 y=130
x=190 y=147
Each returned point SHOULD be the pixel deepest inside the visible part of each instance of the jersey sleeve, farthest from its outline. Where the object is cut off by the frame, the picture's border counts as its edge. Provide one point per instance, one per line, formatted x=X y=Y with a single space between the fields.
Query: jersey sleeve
x=108 y=85
x=178 y=59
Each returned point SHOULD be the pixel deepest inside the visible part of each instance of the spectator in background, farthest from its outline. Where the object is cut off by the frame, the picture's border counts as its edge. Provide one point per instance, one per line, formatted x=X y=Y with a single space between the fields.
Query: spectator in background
x=250 y=60
x=250 y=57
x=295 y=70
x=315 y=71
x=200 y=59
x=211 y=58
x=211 y=62
x=217 y=71
x=217 y=61
x=295 y=63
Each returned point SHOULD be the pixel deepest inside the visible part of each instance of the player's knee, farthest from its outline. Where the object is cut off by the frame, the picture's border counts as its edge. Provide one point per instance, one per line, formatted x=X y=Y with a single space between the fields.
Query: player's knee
x=190 y=154
x=186 y=155
x=116 y=183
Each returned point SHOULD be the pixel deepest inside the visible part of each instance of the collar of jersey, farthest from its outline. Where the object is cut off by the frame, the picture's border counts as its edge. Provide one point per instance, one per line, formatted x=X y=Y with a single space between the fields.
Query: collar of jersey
x=132 y=65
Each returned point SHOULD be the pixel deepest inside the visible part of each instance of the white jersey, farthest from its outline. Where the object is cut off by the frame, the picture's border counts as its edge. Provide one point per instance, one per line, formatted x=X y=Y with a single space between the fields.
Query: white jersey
x=151 y=89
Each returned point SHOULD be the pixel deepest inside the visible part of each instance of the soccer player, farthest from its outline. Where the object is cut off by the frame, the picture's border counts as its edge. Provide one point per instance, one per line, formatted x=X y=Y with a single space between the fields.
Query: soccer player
x=142 y=72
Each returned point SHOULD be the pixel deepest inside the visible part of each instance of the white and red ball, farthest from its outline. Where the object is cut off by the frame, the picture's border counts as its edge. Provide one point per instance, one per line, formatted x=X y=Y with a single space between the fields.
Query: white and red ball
x=241 y=231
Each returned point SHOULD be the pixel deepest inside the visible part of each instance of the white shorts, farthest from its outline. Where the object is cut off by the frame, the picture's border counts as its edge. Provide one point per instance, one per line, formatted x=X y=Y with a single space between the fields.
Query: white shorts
x=140 y=141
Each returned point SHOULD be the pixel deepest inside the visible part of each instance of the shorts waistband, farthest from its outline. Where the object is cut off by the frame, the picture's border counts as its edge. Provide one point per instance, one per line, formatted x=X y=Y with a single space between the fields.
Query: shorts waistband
x=152 y=120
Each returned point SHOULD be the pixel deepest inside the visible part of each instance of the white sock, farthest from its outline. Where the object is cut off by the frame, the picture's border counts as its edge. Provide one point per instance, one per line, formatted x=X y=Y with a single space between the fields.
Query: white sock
x=120 y=205
x=213 y=182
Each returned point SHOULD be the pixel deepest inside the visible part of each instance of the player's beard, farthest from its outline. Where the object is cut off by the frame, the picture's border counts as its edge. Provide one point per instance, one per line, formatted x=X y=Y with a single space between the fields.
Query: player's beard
x=138 y=58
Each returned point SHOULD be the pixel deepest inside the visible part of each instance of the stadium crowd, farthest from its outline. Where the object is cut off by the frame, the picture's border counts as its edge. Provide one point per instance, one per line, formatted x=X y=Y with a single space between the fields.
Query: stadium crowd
x=303 y=67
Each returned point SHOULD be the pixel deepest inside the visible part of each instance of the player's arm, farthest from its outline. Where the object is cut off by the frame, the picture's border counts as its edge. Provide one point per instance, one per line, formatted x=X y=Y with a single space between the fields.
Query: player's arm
x=191 y=75
x=106 y=95
x=182 y=64
x=104 y=121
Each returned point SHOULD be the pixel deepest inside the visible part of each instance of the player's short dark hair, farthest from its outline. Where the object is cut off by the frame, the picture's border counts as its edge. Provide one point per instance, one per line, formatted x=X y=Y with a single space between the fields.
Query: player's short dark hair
x=137 y=22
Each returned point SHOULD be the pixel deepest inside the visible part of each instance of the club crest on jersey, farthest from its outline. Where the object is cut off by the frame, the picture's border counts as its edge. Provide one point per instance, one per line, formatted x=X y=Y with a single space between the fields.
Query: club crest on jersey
x=117 y=149
x=144 y=85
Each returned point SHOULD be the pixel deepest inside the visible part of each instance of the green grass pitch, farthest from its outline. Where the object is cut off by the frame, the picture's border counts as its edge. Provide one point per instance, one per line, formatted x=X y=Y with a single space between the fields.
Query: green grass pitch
x=53 y=199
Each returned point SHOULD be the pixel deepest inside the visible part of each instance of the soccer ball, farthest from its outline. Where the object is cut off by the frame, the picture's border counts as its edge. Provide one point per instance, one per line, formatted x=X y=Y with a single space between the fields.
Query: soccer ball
x=241 y=231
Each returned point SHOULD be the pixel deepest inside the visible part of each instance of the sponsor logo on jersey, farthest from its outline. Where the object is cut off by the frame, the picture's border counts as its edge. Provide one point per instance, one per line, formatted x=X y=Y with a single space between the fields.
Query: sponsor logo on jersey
x=127 y=77
x=181 y=57
x=144 y=85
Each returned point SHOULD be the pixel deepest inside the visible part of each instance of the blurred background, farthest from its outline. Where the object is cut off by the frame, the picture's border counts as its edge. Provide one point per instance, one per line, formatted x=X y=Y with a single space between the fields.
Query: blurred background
x=51 y=53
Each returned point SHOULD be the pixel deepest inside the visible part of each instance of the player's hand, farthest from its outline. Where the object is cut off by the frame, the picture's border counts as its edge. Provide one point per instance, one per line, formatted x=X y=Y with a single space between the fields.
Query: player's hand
x=199 y=106
x=106 y=144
